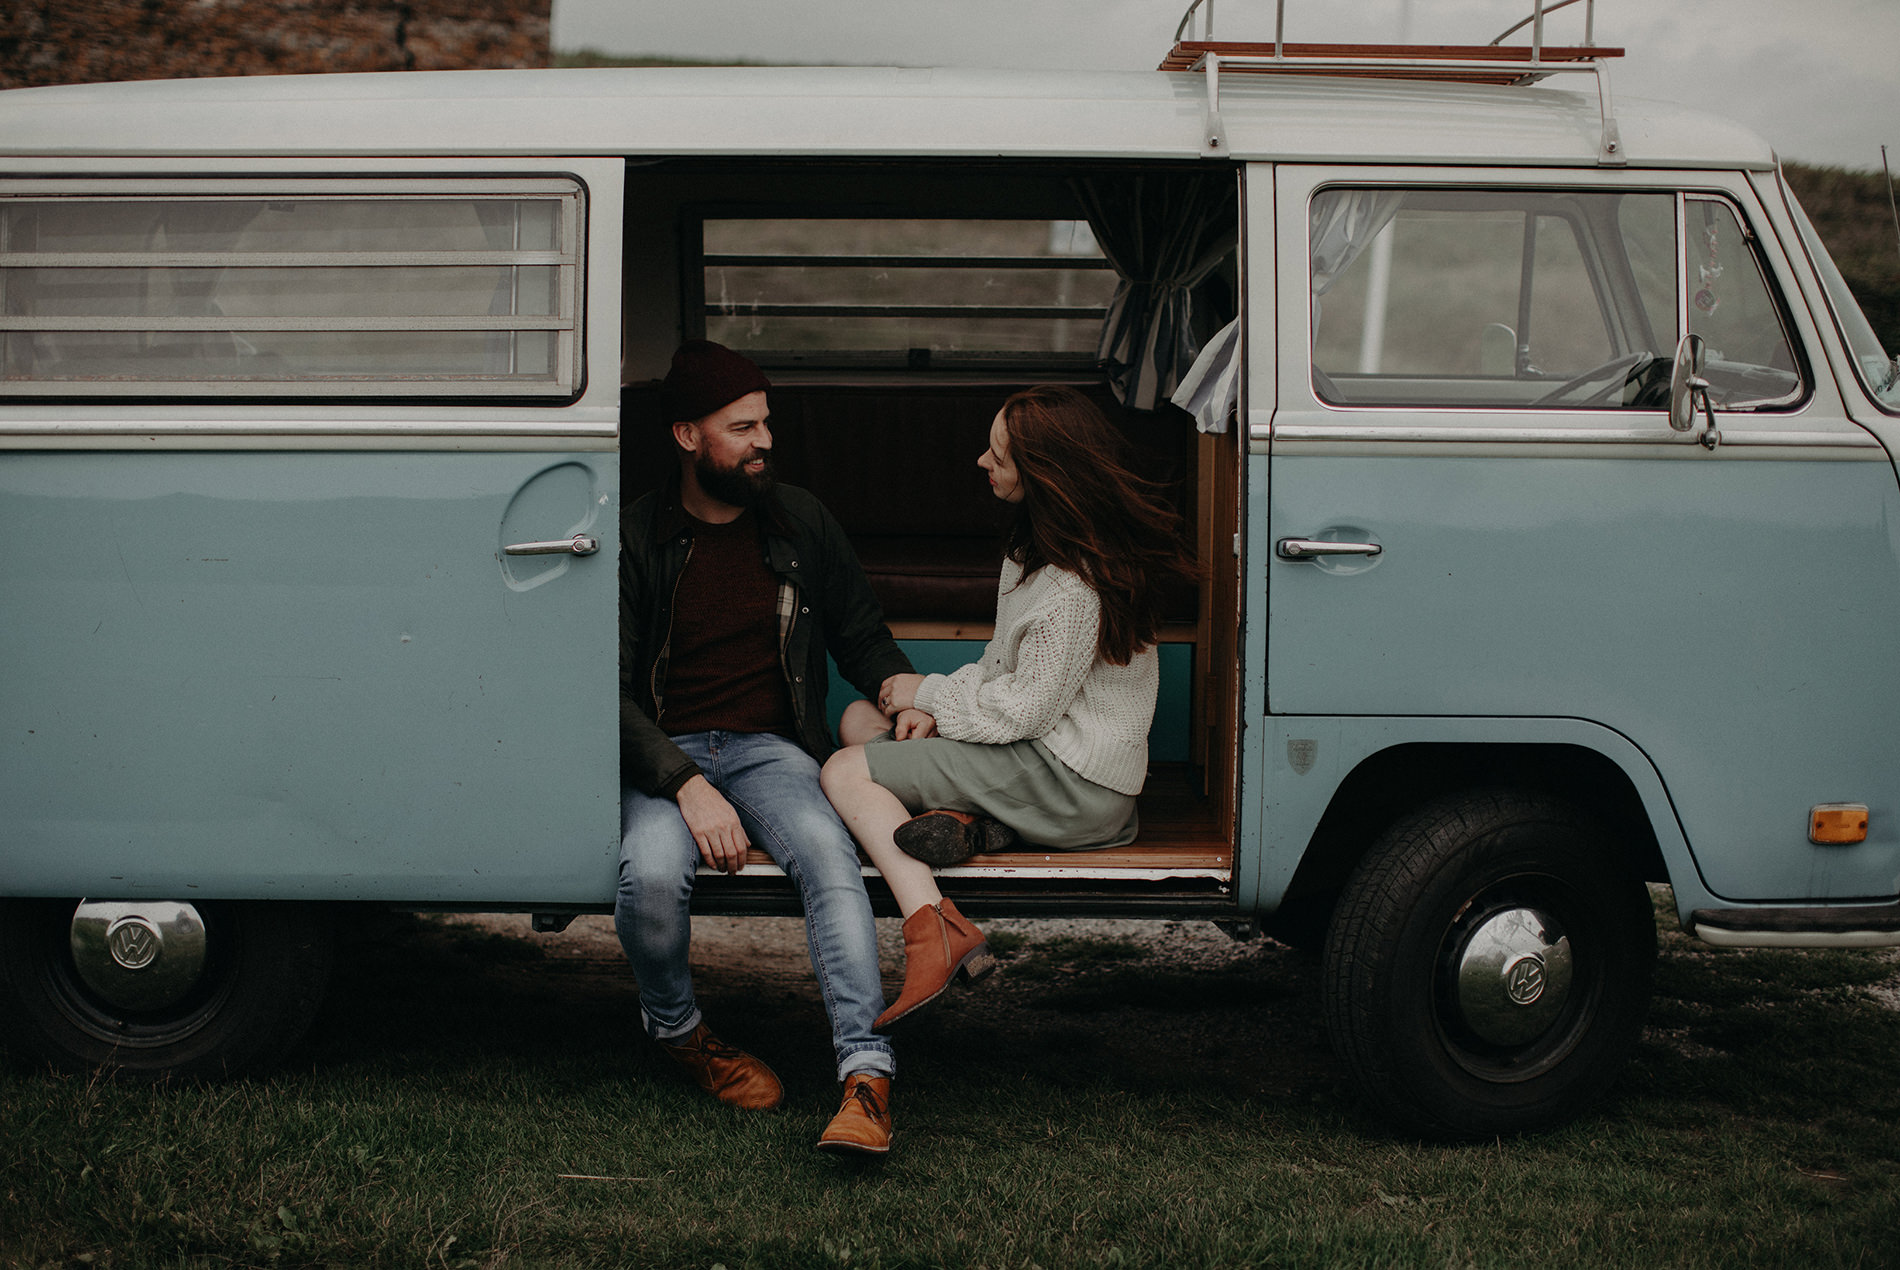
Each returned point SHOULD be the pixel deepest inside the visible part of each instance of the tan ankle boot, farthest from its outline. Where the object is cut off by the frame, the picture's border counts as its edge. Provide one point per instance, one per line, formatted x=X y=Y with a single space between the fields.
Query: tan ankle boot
x=731 y=1075
x=863 y=1123
x=939 y=944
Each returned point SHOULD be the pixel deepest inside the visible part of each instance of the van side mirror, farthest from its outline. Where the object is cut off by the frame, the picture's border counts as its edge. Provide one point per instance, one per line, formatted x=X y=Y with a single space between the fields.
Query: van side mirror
x=1687 y=389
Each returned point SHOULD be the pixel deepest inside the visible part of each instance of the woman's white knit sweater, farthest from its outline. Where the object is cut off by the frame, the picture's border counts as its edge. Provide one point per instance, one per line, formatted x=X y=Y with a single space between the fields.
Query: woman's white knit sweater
x=1040 y=678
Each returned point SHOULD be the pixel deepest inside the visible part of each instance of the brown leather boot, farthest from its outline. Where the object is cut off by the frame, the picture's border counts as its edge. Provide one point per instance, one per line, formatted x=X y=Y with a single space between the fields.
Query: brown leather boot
x=939 y=945
x=863 y=1123
x=730 y=1075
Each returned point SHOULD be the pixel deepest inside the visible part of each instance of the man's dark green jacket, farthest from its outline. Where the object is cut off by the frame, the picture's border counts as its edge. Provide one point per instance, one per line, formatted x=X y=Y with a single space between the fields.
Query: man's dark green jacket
x=825 y=605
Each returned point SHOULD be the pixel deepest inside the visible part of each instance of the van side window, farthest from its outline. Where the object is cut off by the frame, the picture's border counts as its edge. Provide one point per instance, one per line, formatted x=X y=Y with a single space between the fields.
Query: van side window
x=905 y=292
x=291 y=289
x=1550 y=299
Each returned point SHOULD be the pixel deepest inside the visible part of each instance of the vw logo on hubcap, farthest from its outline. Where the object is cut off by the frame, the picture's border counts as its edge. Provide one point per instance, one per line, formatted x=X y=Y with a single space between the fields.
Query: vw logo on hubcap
x=138 y=955
x=1512 y=976
x=133 y=942
x=1524 y=979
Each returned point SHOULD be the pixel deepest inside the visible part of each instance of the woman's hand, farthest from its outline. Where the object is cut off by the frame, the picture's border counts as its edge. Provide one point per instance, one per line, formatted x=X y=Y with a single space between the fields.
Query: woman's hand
x=899 y=693
x=913 y=725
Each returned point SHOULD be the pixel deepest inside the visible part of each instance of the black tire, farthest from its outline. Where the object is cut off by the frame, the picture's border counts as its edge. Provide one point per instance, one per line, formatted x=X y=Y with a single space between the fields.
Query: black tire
x=265 y=969
x=1427 y=1047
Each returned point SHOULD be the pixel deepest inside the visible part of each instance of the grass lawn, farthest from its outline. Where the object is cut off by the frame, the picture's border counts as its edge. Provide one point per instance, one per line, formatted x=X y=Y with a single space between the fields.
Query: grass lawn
x=472 y=1099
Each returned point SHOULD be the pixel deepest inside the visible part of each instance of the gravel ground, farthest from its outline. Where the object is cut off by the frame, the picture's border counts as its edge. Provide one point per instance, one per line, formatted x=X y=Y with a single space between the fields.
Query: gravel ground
x=1130 y=997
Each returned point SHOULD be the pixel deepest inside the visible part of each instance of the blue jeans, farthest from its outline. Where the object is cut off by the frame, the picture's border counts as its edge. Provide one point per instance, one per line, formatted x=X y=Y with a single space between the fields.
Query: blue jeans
x=772 y=783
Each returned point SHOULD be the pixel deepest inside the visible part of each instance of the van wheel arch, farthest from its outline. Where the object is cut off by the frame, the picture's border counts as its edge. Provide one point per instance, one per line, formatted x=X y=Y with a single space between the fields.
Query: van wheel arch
x=258 y=982
x=1396 y=782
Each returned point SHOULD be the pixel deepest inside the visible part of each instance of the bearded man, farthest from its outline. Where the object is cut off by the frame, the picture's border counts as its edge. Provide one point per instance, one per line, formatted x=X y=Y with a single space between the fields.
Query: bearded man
x=732 y=590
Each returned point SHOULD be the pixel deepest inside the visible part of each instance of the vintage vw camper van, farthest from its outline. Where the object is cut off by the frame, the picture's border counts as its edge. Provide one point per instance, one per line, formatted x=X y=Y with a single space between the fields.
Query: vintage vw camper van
x=1538 y=460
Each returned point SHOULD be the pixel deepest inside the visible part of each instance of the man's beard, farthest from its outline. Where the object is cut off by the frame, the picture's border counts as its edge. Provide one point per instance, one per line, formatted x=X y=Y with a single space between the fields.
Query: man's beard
x=731 y=485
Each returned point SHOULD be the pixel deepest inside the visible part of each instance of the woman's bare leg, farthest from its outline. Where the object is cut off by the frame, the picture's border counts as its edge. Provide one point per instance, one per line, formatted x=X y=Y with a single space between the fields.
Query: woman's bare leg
x=872 y=814
x=861 y=722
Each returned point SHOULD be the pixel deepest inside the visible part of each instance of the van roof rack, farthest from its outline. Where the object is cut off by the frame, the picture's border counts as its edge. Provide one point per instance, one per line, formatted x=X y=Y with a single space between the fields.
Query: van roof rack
x=1493 y=63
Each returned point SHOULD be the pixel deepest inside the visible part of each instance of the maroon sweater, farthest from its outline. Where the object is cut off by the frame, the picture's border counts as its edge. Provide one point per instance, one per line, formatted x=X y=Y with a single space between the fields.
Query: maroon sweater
x=723 y=665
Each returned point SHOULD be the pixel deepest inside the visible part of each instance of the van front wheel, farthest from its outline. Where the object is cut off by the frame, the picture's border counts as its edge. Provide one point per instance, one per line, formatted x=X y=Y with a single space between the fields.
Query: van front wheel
x=156 y=989
x=1488 y=967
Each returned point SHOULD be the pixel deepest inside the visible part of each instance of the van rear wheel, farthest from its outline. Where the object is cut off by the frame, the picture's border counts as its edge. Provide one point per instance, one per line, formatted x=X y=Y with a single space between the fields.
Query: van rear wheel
x=156 y=989
x=1488 y=968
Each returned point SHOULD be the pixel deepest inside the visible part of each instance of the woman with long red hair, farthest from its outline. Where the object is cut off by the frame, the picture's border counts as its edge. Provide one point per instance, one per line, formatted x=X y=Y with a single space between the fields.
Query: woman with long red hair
x=1045 y=738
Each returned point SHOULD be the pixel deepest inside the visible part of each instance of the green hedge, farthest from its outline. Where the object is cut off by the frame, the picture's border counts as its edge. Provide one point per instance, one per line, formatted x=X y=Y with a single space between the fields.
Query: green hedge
x=1851 y=211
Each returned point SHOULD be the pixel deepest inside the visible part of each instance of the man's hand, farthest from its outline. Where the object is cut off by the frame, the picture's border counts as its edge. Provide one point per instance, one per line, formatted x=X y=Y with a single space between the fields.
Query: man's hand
x=913 y=725
x=714 y=825
x=899 y=693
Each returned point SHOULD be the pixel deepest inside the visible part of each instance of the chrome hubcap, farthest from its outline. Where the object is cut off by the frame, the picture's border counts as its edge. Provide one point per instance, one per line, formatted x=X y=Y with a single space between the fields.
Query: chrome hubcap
x=143 y=955
x=1513 y=976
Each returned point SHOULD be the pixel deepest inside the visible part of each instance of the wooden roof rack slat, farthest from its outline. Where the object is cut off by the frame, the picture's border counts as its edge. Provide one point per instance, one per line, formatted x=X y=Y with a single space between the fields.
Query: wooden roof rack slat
x=1514 y=64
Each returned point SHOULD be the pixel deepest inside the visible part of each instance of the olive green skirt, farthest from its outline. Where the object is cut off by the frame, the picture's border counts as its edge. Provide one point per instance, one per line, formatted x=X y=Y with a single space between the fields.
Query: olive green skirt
x=1022 y=785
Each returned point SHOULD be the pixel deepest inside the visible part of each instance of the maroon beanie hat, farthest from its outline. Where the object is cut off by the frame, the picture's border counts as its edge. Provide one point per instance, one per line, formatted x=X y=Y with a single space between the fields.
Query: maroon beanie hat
x=705 y=377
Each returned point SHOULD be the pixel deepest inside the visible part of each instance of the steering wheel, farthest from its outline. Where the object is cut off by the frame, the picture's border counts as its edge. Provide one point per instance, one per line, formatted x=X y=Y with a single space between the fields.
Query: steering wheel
x=1616 y=370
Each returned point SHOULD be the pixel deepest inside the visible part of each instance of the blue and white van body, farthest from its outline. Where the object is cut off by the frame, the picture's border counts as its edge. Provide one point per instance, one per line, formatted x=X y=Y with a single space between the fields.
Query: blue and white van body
x=318 y=406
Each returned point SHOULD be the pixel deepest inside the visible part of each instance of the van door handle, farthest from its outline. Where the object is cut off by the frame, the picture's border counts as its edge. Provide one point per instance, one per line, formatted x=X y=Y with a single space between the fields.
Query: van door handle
x=579 y=545
x=1312 y=549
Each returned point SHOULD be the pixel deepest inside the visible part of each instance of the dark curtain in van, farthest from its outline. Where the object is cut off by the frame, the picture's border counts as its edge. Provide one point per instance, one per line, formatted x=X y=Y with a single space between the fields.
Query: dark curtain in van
x=1163 y=233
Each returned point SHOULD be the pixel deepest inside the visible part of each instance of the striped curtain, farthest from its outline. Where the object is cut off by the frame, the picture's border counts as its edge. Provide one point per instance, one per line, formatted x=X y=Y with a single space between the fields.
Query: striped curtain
x=1163 y=233
x=1343 y=225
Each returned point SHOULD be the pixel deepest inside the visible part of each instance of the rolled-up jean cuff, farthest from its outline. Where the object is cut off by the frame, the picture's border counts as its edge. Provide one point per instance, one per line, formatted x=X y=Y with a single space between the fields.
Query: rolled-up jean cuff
x=870 y=1060
x=666 y=1034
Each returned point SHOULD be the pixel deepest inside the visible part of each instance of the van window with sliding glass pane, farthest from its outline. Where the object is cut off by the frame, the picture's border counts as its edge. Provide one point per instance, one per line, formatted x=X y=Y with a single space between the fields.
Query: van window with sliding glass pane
x=291 y=289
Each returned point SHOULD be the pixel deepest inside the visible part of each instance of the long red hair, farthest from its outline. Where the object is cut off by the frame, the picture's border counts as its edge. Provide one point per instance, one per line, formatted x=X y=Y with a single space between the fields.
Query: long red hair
x=1084 y=509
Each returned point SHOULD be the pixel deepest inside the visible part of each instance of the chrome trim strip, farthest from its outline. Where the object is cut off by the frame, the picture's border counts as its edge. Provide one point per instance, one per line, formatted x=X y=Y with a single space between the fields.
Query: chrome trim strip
x=1433 y=68
x=405 y=183
x=199 y=442
x=52 y=394
x=1803 y=926
x=1408 y=435
x=1723 y=937
x=568 y=423
x=328 y=322
x=276 y=259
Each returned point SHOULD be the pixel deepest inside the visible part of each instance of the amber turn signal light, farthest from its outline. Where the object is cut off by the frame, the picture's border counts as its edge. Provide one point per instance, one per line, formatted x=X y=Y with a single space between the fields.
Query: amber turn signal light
x=1833 y=824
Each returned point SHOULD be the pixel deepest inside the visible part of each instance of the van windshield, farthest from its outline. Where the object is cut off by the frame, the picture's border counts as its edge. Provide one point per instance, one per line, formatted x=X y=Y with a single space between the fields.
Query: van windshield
x=1879 y=372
